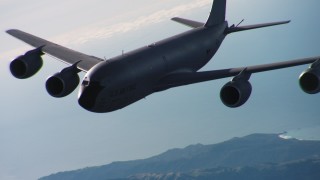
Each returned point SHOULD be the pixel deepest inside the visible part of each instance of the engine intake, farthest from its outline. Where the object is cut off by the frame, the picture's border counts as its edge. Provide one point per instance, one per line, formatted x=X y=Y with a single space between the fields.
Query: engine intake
x=235 y=93
x=63 y=83
x=27 y=65
x=310 y=81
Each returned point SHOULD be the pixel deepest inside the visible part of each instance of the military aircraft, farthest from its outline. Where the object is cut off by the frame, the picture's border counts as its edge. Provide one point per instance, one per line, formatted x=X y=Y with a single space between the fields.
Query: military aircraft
x=113 y=84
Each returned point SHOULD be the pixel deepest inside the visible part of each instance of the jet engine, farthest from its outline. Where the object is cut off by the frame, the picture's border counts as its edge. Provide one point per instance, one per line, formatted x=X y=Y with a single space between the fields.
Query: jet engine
x=27 y=65
x=310 y=80
x=235 y=93
x=63 y=83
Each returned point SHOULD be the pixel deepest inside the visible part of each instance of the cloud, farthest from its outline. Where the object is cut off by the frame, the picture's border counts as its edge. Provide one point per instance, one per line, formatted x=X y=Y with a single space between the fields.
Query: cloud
x=102 y=31
x=11 y=54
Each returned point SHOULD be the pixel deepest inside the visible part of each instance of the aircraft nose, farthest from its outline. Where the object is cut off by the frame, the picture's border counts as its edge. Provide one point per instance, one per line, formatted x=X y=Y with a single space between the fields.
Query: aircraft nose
x=89 y=94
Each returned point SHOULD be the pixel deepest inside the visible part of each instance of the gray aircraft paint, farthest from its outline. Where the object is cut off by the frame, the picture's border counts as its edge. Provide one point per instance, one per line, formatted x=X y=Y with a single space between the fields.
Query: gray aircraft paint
x=135 y=75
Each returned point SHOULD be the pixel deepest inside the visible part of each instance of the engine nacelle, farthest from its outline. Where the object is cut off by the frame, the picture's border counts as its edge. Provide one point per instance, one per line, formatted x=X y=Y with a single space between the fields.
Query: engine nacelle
x=63 y=83
x=235 y=93
x=310 y=81
x=27 y=65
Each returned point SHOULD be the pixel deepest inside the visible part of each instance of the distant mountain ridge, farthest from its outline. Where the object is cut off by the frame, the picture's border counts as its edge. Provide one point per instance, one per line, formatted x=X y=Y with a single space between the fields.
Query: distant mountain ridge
x=307 y=169
x=252 y=150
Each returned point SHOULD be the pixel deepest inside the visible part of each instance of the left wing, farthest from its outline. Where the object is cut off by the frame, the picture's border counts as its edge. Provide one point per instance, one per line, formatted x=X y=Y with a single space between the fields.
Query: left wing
x=84 y=62
x=181 y=79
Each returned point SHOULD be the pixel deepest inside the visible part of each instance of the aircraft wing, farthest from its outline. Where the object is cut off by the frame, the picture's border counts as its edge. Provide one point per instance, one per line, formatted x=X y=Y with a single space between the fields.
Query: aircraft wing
x=181 y=79
x=66 y=55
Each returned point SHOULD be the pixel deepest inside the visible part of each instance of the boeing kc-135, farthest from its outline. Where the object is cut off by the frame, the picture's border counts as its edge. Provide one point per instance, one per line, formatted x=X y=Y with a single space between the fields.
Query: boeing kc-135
x=113 y=84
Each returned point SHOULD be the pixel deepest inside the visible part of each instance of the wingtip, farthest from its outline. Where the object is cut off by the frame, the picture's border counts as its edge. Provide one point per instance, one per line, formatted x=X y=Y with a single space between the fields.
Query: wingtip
x=10 y=31
x=285 y=22
x=174 y=18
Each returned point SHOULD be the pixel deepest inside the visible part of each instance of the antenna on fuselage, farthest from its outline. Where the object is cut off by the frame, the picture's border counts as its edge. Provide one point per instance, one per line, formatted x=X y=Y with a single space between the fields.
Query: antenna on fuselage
x=237 y=24
x=240 y=22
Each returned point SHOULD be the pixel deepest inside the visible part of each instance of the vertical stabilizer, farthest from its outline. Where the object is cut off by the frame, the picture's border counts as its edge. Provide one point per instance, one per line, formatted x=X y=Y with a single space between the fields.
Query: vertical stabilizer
x=217 y=14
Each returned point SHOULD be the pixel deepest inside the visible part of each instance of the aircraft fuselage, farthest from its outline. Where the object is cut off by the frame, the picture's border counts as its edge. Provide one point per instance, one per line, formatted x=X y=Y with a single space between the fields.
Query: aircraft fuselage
x=125 y=79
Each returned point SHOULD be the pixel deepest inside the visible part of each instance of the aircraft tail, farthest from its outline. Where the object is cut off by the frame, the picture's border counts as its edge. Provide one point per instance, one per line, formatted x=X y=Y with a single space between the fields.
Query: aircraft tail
x=217 y=14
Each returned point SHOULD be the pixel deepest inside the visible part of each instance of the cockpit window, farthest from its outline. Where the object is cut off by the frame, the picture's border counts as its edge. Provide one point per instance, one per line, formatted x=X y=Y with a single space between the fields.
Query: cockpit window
x=85 y=82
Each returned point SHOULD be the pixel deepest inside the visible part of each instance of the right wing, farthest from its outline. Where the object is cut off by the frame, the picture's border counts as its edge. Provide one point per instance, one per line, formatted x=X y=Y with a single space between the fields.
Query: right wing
x=66 y=55
x=186 y=78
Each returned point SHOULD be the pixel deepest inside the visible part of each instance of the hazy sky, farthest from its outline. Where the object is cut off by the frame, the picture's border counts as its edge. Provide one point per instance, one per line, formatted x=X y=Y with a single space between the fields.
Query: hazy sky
x=40 y=135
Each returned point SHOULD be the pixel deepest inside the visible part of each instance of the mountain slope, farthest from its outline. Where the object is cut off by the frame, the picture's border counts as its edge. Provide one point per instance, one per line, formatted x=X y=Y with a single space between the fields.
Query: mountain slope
x=308 y=169
x=247 y=151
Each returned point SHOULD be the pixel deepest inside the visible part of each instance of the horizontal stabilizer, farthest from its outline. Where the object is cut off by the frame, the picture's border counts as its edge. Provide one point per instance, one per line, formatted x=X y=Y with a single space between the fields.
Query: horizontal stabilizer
x=187 y=22
x=233 y=29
